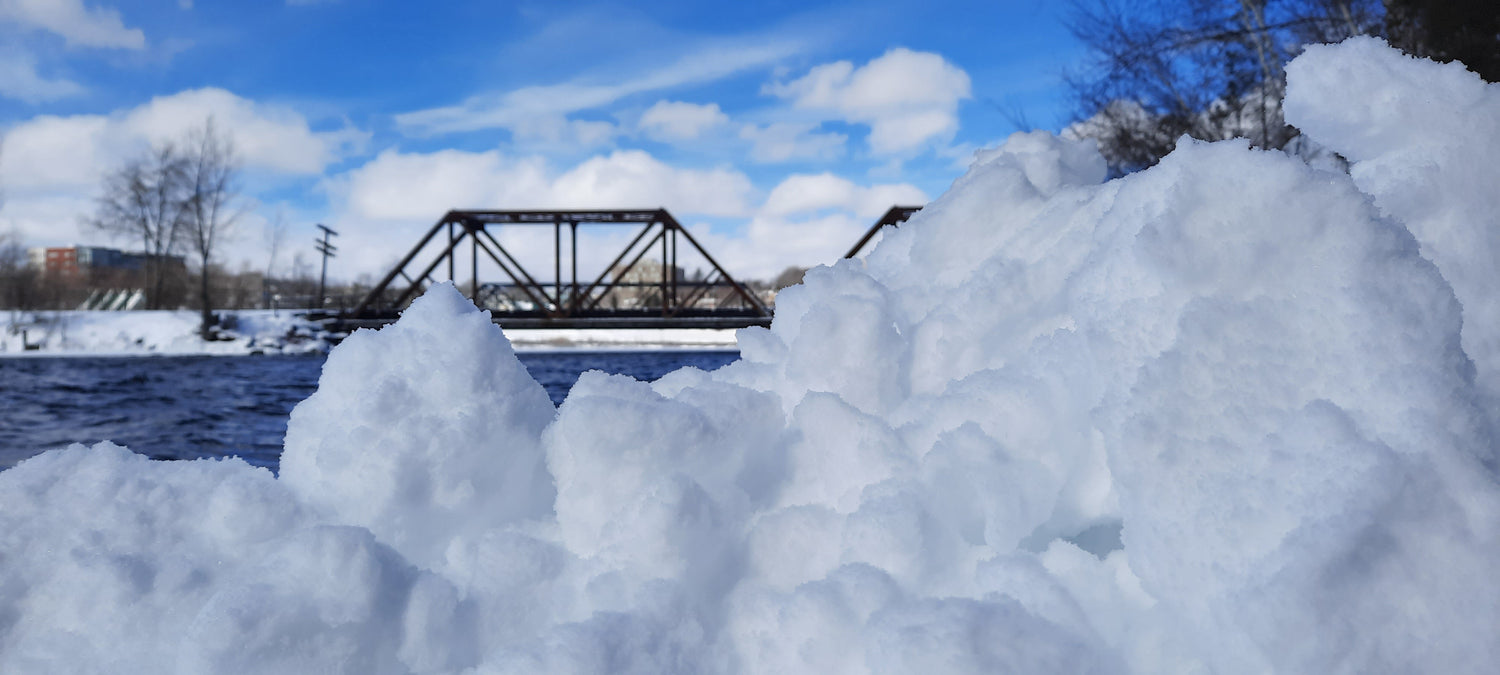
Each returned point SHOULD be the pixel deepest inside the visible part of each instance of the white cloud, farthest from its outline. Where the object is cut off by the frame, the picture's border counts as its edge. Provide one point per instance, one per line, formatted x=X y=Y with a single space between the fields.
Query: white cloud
x=787 y=141
x=633 y=178
x=806 y=220
x=399 y=186
x=518 y=110
x=19 y=80
x=392 y=197
x=675 y=121
x=767 y=244
x=78 y=25
x=907 y=98
x=50 y=220
x=808 y=193
x=51 y=166
x=48 y=153
x=266 y=136
x=61 y=153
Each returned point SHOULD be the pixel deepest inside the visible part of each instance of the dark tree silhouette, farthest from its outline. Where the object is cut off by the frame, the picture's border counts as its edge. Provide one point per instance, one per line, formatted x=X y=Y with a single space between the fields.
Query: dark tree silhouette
x=209 y=210
x=1448 y=30
x=1208 y=69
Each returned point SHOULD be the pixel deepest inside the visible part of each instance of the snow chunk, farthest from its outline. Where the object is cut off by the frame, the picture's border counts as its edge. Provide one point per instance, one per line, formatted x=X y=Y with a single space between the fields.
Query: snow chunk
x=1422 y=138
x=423 y=431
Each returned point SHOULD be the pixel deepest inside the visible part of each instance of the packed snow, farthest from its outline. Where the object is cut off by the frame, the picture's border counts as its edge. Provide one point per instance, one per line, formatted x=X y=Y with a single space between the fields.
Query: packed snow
x=1230 y=414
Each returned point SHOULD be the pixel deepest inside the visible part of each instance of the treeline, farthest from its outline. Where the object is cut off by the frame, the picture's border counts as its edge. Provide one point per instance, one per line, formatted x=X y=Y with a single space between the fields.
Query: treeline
x=1214 y=69
x=27 y=288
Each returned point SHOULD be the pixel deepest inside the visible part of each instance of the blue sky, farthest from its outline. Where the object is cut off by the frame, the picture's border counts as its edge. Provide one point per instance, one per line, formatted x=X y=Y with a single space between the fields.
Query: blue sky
x=776 y=130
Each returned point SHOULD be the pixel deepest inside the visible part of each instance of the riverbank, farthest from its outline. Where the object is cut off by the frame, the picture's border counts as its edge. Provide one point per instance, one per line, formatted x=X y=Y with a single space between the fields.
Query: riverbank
x=249 y=332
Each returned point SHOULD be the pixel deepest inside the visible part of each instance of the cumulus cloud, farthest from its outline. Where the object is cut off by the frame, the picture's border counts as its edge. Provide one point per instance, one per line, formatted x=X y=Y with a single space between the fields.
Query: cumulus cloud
x=907 y=98
x=674 y=121
x=79 y=26
x=808 y=193
x=51 y=152
x=769 y=244
x=805 y=221
x=789 y=141
x=19 y=80
x=51 y=166
x=387 y=203
x=398 y=186
x=266 y=136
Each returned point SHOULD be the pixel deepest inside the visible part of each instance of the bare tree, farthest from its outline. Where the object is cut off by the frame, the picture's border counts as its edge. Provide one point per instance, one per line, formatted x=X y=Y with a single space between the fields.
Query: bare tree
x=146 y=200
x=1209 y=69
x=209 y=177
x=18 y=282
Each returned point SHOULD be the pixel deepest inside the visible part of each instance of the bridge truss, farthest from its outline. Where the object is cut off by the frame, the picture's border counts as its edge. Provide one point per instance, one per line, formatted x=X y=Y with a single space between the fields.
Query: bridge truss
x=643 y=287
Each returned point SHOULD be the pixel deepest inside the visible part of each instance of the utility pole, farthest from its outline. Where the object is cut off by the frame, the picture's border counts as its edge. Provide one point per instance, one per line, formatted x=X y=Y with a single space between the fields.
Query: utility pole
x=329 y=251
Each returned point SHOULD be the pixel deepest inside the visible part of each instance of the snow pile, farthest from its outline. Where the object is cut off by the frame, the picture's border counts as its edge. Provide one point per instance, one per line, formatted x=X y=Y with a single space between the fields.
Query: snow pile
x=1229 y=414
x=158 y=332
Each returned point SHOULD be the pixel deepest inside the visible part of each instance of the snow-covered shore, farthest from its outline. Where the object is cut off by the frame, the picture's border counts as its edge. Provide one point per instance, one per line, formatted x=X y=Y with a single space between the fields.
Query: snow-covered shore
x=155 y=333
x=175 y=333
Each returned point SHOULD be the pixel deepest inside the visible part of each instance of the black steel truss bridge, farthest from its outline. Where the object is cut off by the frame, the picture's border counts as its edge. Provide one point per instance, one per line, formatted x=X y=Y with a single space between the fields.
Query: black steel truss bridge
x=662 y=278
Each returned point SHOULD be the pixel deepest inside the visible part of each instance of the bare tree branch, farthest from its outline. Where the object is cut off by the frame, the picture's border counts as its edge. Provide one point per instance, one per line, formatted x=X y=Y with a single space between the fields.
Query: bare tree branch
x=1208 y=69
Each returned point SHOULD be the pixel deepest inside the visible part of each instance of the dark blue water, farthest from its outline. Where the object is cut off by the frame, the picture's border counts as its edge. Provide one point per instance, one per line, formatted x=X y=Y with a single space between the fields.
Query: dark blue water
x=192 y=407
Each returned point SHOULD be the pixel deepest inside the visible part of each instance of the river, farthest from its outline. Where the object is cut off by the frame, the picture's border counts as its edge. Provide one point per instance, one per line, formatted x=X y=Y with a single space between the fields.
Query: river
x=192 y=407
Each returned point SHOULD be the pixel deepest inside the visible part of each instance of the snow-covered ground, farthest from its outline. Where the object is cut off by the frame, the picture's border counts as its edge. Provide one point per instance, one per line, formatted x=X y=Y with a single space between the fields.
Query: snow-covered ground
x=157 y=332
x=1232 y=414
x=264 y=331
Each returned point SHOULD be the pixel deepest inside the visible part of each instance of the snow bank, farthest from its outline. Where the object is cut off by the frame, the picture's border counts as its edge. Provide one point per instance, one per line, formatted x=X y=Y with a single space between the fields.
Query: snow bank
x=157 y=332
x=1229 y=414
x=264 y=331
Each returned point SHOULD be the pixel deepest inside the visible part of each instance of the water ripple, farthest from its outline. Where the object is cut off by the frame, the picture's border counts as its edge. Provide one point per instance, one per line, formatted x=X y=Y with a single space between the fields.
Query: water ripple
x=192 y=407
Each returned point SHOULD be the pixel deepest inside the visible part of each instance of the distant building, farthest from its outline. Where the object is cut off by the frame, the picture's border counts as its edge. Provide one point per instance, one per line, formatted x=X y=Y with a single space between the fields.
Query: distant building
x=74 y=261
x=108 y=258
x=637 y=285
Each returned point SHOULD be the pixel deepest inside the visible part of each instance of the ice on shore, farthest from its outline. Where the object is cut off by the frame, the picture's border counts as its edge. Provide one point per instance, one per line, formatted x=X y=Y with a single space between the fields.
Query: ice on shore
x=1230 y=414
